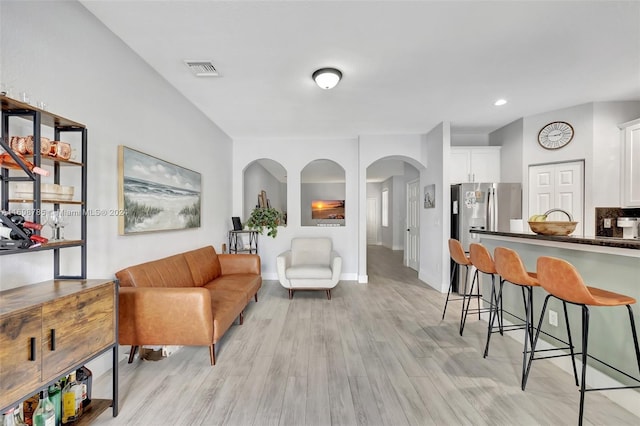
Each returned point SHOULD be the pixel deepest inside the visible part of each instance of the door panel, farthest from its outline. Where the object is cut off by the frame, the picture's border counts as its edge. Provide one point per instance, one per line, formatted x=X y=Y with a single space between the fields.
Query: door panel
x=412 y=242
x=372 y=221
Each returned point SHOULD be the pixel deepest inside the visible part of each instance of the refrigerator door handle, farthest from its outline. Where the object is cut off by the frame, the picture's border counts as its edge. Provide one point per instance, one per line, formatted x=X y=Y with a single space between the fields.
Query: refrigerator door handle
x=491 y=207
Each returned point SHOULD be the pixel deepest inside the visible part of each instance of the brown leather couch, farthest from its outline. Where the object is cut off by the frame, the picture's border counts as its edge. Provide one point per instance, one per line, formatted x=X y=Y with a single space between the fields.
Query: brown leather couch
x=189 y=299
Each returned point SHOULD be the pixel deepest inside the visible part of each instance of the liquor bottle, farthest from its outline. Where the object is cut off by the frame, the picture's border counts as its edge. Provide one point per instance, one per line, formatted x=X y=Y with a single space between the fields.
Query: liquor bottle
x=71 y=399
x=20 y=220
x=85 y=377
x=55 y=395
x=7 y=161
x=45 y=414
x=6 y=232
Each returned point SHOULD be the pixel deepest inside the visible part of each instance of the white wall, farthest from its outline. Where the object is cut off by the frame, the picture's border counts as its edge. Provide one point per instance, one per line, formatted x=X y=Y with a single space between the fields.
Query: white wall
x=294 y=155
x=509 y=138
x=435 y=227
x=60 y=53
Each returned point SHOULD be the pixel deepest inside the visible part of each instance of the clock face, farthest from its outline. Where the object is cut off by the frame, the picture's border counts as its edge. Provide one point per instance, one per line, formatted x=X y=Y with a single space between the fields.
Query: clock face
x=555 y=135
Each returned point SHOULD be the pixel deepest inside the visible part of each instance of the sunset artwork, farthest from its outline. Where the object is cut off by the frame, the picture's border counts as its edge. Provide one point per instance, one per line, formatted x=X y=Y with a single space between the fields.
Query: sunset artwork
x=327 y=209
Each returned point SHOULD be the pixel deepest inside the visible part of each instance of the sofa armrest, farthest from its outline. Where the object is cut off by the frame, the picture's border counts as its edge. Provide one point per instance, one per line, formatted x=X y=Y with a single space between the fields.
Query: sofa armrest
x=283 y=262
x=239 y=264
x=165 y=315
x=336 y=267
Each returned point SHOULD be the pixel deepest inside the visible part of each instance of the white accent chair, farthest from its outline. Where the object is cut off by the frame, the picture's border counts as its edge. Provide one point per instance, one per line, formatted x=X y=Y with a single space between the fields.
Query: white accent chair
x=311 y=264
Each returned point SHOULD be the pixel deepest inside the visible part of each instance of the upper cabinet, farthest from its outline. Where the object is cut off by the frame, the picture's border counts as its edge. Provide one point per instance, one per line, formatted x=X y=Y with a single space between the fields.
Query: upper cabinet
x=475 y=164
x=631 y=164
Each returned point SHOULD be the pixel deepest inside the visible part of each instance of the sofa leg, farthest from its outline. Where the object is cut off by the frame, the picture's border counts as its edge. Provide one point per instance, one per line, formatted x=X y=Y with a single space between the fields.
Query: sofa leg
x=212 y=353
x=241 y=317
x=255 y=296
x=329 y=294
x=290 y=293
x=132 y=353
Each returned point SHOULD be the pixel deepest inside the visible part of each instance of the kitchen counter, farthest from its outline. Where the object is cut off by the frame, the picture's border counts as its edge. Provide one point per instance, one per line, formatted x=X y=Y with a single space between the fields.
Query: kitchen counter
x=609 y=263
x=609 y=245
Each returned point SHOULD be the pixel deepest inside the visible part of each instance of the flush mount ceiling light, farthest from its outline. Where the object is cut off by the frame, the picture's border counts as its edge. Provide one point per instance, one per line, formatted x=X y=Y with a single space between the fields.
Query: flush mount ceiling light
x=500 y=102
x=327 y=78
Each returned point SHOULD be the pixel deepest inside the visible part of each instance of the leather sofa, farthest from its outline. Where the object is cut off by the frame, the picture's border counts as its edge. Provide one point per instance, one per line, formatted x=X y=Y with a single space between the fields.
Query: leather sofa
x=189 y=299
x=311 y=264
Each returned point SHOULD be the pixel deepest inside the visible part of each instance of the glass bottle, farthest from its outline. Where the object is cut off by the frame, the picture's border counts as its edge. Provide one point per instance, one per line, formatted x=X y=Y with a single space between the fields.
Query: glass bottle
x=55 y=395
x=71 y=392
x=7 y=161
x=45 y=414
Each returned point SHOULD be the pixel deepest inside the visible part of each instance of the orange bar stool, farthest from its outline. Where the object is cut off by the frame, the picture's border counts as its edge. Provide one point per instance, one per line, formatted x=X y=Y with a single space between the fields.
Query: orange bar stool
x=482 y=261
x=459 y=258
x=511 y=269
x=562 y=281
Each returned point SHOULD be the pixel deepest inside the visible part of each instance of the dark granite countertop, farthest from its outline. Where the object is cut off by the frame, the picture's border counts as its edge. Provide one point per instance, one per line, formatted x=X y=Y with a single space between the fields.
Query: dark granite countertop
x=592 y=241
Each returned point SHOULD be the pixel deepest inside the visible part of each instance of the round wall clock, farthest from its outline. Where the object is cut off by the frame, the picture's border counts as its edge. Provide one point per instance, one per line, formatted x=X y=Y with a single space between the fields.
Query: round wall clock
x=555 y=135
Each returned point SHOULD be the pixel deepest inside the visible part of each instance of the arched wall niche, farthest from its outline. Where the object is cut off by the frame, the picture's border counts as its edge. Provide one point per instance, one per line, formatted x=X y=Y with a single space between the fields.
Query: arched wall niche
x=322 y=194
x=266 y=175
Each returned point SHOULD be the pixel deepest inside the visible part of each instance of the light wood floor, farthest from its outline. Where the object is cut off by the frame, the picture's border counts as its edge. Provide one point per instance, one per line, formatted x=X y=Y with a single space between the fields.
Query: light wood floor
x=377 y=354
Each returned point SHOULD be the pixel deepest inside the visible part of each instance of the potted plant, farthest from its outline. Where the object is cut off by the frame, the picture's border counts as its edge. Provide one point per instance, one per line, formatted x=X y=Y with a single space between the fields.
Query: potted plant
x=265 y=217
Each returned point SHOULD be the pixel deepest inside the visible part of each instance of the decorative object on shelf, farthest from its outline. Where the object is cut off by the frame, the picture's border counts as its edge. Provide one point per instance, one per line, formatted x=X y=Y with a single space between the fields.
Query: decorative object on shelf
x=327 y=209
x=237 y=224
x=430 y=196
x=555 y=135
x=154 y=201
x=327 y=78
x=9 y=160
x=265 y=217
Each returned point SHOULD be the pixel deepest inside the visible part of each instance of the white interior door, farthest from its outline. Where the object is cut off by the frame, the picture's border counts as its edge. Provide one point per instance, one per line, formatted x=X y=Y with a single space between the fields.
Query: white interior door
x=558 y=186
x=412 y=242
x=373 y=224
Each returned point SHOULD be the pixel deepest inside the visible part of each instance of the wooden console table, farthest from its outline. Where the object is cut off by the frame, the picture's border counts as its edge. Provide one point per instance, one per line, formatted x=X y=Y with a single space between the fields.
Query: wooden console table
x=52 y=328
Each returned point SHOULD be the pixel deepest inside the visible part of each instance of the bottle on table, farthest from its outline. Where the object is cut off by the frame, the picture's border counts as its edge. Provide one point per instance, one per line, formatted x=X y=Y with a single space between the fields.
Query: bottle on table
x=71 y=400
x=45 y=414
x=55 y=395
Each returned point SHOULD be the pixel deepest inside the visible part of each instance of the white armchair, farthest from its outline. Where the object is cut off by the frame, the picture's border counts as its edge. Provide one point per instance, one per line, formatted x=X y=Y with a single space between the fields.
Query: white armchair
x=311 y=264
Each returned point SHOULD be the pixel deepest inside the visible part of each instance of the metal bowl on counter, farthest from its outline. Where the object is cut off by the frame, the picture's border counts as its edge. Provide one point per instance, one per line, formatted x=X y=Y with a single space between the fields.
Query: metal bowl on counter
x=552 y=227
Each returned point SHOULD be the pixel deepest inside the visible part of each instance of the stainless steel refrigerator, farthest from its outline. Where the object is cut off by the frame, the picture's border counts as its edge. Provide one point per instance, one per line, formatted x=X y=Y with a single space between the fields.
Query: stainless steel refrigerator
x=486 y=206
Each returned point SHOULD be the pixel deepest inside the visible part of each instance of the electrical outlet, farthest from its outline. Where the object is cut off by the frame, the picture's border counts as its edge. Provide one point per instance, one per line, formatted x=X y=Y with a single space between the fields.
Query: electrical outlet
x=553 y=318
x=607 y=222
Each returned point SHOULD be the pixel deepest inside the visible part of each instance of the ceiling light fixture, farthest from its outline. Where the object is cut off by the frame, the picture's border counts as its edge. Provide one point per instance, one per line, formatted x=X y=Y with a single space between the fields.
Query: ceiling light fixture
x=327 y=78
x=500 y=102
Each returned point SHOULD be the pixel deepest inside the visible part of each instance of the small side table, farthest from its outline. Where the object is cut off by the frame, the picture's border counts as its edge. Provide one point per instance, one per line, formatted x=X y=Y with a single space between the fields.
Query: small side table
x=234 y=247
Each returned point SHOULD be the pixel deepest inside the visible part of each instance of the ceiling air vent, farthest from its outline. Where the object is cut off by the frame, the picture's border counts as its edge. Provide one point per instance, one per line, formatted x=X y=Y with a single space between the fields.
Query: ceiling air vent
x=202 y=68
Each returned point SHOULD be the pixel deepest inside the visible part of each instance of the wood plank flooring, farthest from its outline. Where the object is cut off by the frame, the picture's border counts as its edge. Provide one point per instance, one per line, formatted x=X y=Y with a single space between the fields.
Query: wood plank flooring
x=376 y=354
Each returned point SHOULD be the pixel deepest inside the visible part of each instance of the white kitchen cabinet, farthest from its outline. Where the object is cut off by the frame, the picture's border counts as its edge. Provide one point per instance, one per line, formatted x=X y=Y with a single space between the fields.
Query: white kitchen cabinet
x=631 y=164
x=474 y=164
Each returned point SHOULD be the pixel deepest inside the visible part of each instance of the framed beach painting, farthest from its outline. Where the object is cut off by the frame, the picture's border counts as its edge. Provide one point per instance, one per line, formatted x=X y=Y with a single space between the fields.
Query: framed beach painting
x=155 y=195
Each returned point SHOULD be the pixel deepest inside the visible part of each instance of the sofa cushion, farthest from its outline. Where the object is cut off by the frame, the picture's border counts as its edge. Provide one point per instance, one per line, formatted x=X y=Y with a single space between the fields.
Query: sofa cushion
x=308 y=272
x=310 y=251
x=204 y=265
x=172 y=271
x=226 y=306
x=248 y=284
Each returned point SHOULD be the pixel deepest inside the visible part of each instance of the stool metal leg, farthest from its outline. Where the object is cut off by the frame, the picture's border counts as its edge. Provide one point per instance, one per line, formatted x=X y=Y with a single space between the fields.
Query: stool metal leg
x=456 y=267
x=494 y=312
x=585 y=341
x=467 y=298
x=573 y=358
x=535 y=341
x=634 y=334
x=528 y=331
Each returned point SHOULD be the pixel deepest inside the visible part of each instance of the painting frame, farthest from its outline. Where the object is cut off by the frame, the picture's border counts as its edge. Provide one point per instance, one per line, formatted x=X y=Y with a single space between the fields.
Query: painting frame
x=155 y=195
x=430 y=196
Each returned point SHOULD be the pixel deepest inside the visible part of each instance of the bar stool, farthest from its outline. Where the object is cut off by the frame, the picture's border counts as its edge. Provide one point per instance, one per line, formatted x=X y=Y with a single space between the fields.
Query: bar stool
x=459 y=258
x=482 y=261
x=562 y=281
x=512 y=270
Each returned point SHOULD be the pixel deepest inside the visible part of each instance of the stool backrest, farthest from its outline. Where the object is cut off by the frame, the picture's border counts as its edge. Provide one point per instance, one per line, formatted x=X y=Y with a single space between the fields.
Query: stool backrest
x=457 y=252
x=510 y=267
x=561 y=279
x=481 y=258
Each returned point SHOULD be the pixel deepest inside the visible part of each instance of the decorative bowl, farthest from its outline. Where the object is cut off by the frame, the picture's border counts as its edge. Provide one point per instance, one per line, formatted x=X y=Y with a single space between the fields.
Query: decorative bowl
x=553 y=227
